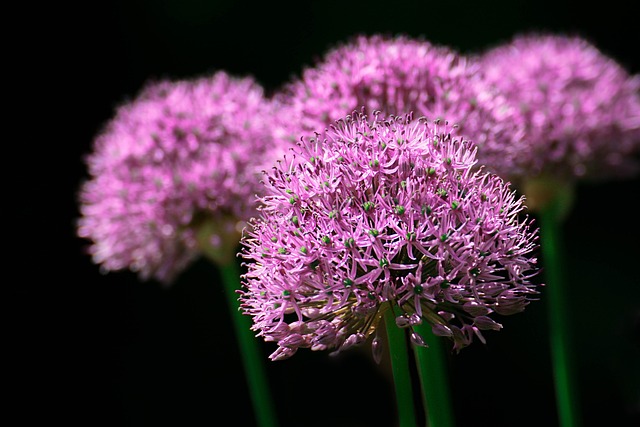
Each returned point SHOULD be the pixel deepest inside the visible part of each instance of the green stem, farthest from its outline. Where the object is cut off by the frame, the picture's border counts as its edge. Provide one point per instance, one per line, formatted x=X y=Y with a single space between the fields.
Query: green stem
x=432 y=369
x=400 y=367
x=559 y=330
x=249 y=350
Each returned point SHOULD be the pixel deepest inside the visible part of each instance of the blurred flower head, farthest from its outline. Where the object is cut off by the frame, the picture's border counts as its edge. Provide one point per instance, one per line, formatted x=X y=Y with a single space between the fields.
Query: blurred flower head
x=384 y=214
x=394 y=74
x=175 y=172
x=578 y=108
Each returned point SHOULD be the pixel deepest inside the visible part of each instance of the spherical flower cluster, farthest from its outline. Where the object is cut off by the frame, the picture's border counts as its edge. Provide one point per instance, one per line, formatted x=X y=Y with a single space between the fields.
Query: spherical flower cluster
x=176 y=169
x=396 y=75
x=579 y=109
x=384 y=214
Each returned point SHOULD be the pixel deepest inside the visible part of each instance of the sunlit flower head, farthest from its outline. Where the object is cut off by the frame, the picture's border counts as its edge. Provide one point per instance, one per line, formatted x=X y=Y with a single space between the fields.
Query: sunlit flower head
x=384 y=213
x=579 y=109
x=175 y=170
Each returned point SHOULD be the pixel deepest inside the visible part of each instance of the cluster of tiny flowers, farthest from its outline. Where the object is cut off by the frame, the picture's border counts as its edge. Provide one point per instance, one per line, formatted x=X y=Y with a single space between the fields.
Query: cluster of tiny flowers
x=395 y=75
x=180 y=155
x=384 y=213
x=579 y=110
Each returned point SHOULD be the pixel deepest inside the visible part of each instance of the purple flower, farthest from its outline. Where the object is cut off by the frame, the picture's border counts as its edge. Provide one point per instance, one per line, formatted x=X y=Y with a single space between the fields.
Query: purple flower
x=579 y=110
x=396 y=75
x=175 y=173
x=384 y=214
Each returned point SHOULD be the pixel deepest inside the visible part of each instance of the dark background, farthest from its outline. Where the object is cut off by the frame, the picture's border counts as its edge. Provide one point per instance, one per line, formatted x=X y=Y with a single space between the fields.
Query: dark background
x=109 y=350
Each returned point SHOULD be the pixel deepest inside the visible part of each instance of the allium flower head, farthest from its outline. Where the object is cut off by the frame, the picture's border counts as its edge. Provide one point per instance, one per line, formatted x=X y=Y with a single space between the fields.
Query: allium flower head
x=580 y=110
x=394 y=74
x=179 y=163
x=384 y=214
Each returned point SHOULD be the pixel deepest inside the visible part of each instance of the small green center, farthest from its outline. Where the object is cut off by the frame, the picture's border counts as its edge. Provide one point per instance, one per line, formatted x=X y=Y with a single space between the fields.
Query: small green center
x=349 y=242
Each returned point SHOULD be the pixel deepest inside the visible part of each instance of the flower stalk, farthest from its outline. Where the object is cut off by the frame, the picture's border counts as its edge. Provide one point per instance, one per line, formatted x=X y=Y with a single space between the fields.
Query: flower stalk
x=561 y=341
x=434 y=381
x=249 y=350
x=400 y=368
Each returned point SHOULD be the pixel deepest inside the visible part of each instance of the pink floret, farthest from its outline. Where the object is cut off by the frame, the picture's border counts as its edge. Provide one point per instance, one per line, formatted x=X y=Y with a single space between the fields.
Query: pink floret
x=380 y=213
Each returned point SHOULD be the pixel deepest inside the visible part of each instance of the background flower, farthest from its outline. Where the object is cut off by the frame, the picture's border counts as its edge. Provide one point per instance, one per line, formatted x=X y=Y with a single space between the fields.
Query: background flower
x=175 y=173
x=396 y=74
x=384 y=214
x=580 y=111
x=579 y=107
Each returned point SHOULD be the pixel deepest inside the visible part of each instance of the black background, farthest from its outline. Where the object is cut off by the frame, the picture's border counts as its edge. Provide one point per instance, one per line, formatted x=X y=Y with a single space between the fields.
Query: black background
x=109 y=350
